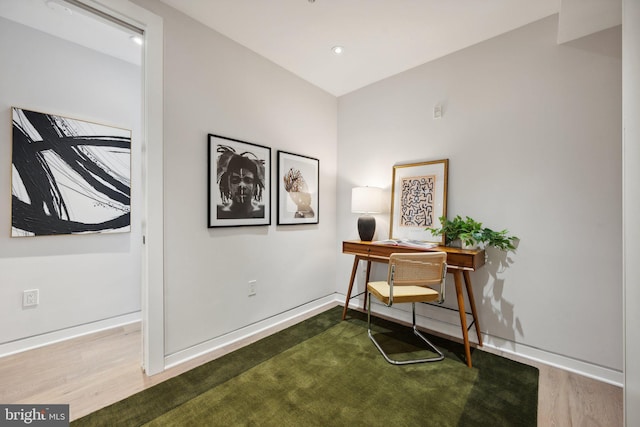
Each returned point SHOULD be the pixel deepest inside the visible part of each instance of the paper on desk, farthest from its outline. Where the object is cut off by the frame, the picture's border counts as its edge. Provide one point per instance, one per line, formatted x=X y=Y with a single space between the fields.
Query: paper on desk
x=407 y=242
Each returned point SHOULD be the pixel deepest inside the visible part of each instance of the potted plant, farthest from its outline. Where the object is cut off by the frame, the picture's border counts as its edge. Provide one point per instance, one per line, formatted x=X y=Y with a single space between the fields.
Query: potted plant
x=471 y=233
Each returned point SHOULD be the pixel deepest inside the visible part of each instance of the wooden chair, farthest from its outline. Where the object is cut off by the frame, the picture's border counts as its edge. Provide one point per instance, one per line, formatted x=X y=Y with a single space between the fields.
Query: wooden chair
x=410 y=279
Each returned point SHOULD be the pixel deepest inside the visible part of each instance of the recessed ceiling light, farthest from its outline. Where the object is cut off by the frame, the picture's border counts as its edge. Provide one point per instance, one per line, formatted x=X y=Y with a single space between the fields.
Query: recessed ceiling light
x=136 y=39
x=337 y=50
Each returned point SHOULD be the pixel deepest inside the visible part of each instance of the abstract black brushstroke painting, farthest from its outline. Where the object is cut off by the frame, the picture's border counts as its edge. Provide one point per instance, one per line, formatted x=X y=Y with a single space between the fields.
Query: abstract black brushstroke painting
x=69 y=176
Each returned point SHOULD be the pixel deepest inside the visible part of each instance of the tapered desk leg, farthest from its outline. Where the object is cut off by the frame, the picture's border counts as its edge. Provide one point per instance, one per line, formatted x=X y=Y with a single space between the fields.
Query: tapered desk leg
x=457 y=276
x=472 y=301
x=353 y=276
x=366 y=280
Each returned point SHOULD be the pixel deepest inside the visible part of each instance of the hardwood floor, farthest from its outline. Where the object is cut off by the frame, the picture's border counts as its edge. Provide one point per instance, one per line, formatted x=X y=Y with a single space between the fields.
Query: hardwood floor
x=569 y=399
x=96 y=370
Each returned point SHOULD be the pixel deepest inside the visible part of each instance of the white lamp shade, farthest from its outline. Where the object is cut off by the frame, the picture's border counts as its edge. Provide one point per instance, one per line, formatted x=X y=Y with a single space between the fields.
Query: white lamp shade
x=366 y=200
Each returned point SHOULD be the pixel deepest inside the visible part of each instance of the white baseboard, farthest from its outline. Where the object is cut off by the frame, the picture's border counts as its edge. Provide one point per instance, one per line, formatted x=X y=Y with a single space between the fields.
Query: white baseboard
x=246 y=333
x=492 y=344
x=505 y=348
x=449 y=325
x=42 y=340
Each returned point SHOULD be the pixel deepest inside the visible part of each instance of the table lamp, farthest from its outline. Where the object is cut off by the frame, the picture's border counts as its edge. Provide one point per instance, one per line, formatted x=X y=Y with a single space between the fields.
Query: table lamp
x=366 y=200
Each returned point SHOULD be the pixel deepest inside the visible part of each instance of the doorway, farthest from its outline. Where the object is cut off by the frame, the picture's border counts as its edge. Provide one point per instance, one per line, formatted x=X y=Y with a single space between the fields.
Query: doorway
x=84 y=98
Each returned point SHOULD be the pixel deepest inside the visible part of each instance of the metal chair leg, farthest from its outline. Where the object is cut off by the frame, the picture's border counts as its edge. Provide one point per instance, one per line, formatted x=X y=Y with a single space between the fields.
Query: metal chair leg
x=415 y=331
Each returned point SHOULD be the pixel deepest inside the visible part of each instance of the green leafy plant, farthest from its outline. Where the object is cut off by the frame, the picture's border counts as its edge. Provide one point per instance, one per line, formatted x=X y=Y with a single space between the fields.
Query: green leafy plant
x=471 y=232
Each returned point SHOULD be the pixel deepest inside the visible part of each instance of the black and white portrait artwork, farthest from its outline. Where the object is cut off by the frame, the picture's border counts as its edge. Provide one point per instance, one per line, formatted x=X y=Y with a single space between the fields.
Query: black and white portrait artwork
x=239 y=184
x=69 y=176
x=298 y=189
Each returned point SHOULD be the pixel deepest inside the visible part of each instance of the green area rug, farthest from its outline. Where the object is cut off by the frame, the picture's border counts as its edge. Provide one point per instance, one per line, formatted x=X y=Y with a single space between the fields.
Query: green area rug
x=326 y=372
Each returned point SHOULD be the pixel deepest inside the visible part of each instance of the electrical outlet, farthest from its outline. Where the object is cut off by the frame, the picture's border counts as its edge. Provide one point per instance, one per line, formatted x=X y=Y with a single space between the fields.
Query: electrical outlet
x=30 y=298
x=252 y=287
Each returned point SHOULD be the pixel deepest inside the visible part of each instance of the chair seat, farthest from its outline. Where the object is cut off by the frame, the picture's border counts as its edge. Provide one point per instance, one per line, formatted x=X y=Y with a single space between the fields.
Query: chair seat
x=406 y=293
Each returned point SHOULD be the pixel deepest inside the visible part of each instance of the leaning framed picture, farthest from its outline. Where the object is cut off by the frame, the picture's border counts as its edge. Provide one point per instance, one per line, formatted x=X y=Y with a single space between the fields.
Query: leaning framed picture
x=418 y=200
x=298 y=189
x=239 y=186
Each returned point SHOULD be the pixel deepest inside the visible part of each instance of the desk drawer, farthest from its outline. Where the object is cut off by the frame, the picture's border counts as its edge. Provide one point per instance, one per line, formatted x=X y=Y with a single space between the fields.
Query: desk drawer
x=461 y=258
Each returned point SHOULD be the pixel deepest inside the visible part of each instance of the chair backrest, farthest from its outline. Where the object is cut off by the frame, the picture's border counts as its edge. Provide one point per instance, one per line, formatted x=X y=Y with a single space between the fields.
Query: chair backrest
x=421 y=269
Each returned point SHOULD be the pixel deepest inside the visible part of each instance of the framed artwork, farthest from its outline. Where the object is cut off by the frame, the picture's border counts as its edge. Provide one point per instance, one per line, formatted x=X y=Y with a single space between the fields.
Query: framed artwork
x=68 y=176
x=298 y=189
x=418 y=199
x=239 y=183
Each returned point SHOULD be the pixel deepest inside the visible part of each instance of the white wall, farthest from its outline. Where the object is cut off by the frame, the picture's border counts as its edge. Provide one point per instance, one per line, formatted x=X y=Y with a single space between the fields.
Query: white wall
x=213 y=85
x=81 y=278
x=631 y=154
x=532 y=130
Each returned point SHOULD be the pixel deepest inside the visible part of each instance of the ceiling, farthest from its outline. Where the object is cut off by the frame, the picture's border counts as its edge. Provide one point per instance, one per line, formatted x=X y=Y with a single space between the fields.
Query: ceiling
x=74 y=24
x=380 y=37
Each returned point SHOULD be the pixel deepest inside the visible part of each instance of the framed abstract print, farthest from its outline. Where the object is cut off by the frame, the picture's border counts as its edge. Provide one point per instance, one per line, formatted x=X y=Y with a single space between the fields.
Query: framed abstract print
x=69 y=176
x=418 y=200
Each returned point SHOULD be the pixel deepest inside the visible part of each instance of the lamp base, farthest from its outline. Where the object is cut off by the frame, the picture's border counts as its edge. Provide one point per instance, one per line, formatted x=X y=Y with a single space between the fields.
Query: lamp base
x=366 y=227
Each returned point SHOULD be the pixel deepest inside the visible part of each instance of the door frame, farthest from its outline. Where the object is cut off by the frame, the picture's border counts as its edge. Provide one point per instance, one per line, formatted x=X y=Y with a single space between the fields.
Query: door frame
x=152 y=215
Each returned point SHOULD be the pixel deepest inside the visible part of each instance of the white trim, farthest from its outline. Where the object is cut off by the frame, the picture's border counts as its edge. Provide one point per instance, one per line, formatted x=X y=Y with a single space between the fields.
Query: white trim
x=503 y=347
x=153 y=266
x=247 y=332
x=497 y=345
x=42 y=340
x=631 y=208
x=152 y=279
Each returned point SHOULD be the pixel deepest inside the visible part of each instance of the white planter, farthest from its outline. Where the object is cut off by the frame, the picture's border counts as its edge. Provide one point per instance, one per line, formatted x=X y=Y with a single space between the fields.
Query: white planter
x=472 y=247
x=460 y=244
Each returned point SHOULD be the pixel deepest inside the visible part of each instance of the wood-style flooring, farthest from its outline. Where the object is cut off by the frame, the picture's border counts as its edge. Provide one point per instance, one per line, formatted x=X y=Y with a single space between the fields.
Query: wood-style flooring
x=96 y=370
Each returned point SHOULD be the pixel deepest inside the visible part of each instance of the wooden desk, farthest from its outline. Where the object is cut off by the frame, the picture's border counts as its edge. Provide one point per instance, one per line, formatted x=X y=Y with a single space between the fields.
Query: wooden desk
x=459 y=263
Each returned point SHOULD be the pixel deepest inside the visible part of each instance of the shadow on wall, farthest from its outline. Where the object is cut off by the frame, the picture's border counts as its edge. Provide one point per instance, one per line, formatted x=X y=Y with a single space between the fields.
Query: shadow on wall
x=498 y=314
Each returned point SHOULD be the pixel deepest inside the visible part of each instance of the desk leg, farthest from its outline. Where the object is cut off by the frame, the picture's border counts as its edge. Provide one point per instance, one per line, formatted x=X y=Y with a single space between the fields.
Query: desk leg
x=457 y=276
x=472 y=301
x=366 y=281
x=353 y=276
